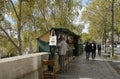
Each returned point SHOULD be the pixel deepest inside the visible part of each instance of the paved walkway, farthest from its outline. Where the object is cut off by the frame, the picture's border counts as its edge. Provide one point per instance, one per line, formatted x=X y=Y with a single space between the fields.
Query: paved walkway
x=80 y=68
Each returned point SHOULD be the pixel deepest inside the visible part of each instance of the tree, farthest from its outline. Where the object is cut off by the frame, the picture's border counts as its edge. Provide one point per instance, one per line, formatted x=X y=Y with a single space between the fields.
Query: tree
x=97 y=14
x=30 y=19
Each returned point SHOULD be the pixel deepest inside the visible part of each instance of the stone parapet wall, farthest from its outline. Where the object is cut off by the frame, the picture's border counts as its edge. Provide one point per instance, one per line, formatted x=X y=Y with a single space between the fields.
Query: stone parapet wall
x=22 y=67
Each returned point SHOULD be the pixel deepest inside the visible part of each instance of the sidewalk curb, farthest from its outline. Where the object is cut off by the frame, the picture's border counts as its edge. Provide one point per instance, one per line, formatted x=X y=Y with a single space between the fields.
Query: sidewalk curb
x=112 y=70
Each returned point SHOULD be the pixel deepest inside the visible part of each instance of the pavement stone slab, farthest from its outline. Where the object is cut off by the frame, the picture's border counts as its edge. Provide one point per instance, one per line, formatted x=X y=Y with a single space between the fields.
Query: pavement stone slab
x=80 y=68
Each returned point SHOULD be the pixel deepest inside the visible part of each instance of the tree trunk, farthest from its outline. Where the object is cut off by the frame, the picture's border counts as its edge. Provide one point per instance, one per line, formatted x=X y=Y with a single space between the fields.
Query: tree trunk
x=19 y=28
x=118 y=38
x=18 y=15
x=112 y=29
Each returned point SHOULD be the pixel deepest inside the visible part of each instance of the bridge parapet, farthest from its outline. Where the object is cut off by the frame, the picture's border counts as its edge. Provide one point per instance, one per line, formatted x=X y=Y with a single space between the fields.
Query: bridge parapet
x=22 y=67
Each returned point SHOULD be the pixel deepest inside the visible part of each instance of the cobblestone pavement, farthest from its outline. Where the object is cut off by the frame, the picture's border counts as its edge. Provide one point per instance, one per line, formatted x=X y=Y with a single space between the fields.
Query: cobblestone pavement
x=80 y=68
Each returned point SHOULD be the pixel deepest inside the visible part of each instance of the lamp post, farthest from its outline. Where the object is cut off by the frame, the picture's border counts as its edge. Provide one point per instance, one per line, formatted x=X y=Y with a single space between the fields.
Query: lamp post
x=112 y=29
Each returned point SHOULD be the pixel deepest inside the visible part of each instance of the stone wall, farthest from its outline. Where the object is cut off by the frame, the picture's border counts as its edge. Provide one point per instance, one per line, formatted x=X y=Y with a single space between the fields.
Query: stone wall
x=22 y=67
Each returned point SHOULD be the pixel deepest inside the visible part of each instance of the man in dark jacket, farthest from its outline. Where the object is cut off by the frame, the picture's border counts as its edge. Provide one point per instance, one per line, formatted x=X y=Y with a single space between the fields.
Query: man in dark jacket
x=87 y=50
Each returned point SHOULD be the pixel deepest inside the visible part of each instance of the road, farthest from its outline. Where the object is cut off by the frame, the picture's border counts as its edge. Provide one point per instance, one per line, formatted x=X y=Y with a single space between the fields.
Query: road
x=117 y=51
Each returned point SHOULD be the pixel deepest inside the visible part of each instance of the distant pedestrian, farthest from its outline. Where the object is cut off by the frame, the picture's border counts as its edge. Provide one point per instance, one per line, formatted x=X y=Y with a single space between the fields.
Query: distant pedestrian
x=87 y=50
x=93 y=50
x=99 y=49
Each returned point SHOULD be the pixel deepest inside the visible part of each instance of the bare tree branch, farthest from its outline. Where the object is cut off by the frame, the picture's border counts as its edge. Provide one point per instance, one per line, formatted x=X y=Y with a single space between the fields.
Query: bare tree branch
x=9 y=39
x=14 y=9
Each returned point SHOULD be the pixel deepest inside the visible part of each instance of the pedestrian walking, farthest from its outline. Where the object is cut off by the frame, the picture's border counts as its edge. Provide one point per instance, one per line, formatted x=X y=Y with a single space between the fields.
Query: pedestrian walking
x=99 y=49
x=93 y=50
x=62 y=47
x=87 y=50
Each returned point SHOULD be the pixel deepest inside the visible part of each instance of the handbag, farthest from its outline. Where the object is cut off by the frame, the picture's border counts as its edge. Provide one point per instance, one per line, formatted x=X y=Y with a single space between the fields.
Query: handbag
x=53 y=39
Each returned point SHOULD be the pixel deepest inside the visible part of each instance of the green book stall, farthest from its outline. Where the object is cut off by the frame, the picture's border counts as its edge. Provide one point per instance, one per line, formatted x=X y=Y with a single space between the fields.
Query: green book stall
x=70 y=37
